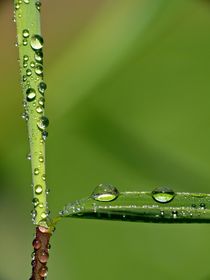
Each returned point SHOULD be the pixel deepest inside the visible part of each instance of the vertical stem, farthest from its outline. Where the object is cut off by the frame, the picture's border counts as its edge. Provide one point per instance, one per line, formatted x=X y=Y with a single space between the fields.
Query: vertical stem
x=30 y=43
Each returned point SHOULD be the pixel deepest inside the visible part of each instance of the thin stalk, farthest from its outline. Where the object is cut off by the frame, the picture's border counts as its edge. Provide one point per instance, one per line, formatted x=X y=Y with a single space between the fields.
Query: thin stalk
x=30 y=43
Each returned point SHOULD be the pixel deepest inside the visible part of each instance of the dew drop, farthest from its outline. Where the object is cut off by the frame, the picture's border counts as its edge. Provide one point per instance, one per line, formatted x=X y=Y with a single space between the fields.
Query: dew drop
x=47 y=191
x=44 y=135
x=43 y=271
x=43 y=123
x=38 y=189
x=36 y=243
x=203 y=205
x=38 y=5
x=17 y=6
x=32 y=64
x=36 y=42
x=41 y=159
x=163 y=194
x=35 y=201
x=43 y=256
x=25 y=116
x=26 y=1
x=38 y=56
x=42 y=87
x=25 y=33
x=33 y=214
x=44 y=215
x=105 y=192
x=162 y=213
x=41 y=101
x=174 y=214
x=25 y=42
x=39 y=70
x=28 y=72
x=43 y=177
x=25 y=58
x=41 y=205
x=30 y=94
x=36 y=171
x=24 y=78
x=39 y=109
x=25 y=64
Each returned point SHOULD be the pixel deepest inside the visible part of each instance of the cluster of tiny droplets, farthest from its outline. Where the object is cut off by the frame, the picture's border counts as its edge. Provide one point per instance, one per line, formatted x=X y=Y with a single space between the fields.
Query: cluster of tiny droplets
x=32 y=72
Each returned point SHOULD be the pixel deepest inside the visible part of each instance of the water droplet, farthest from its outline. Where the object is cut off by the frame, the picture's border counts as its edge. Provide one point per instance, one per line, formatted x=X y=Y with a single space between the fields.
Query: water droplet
x=38 y=189
x=31 y=94
x=43 y=123
x=28 y=72
x=104 y=192
x=35 y=201
x=25 y=58
x=42 y=87
x=24 y=78
x=43 y=271
x=36 y=42
x=163 y=194
x=47 y=191
x=25 y=64
x=36 y=244
x=162 y=213
x=39 y=109
x=41 y=205
x=43 y=177
x=17 y=6
x=43 y=256
x=25 y=33
x=25 y=116
x=38 y=56
x=41 y=101
x=36 y=171
x=33 y=214
x=193 y=205
x=44 y=135
x=26 y=1
x=32 y=64
x=174 y=214
x=25 y=42
x=39 y=70
x=203 y=205
x=38 y=5
x=41 y=159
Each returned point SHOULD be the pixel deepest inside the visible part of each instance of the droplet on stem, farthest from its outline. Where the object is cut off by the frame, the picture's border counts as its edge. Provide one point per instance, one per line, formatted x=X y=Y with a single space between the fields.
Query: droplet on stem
x=105 y=193
x=163 y=194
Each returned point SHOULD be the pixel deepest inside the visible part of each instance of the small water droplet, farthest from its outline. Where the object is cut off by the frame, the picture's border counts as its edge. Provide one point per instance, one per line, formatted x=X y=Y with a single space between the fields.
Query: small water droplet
x=28 y=72
x=38 y=56
x=17 y=6
x=25 y=33
x=39 y=70
x=41 y=205
x=44 y=135
x=25 y=58
x=28 y=156
x=35 y=201
x=43 y=256
x=36 y=243
x=37 y=42
x=32 y=64
x=25 y=64
x=203 y=205
x=33 y=214
x=43 y=271
x=47 y=191
x=30 y=94
x=38 y=5
x=38 y=189
x=25 y=116
x=162 y=213
x=174 y=214
x=104 y=192
x=41 y=101
x=43 y=123
x=24 y=78
x=25 y=42
x=43 y=177
x=39 y=109
x=41 y=159
x=163 y=194
x=42 y=87
x=26 y=1
x=44 y=215
x=36 y=171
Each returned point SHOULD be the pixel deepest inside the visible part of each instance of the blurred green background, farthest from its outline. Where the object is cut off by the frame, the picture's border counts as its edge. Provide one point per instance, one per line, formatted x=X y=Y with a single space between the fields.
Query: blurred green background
x=129 y=104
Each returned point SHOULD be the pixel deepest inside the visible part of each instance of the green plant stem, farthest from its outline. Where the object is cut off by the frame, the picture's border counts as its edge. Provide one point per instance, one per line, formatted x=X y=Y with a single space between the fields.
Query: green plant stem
x=142 y=207
x=27 y=16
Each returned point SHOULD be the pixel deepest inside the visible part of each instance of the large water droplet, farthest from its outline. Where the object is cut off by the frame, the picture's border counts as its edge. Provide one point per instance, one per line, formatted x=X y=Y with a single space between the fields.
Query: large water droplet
x=36 y=171
x=39 y=109
x=43 y=256
x=104 y=192
x=36 y=42
x=43 y=123
x=38 y=189
x=39 y=70
x=163 y=194
x=38 y=56
x=25 y=33
x=31 y=94
x=36 y=243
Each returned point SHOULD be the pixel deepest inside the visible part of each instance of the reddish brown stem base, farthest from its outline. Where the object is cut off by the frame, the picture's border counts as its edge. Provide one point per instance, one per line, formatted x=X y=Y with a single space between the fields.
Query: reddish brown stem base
x=41 y=253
